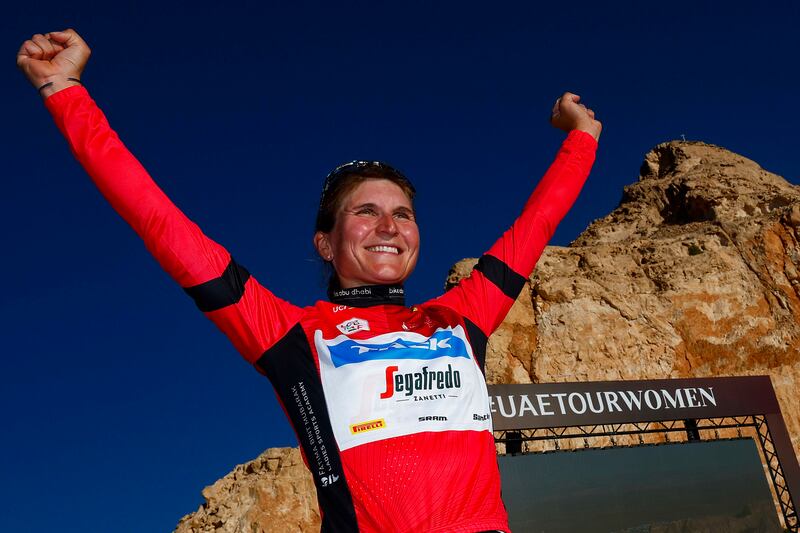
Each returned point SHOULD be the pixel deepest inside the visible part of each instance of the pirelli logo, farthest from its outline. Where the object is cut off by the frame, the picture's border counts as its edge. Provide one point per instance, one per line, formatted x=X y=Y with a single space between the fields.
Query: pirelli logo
x=370 y=425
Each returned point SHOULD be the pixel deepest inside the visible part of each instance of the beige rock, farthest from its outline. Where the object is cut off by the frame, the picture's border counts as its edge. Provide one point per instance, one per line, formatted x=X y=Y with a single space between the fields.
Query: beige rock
x=694 y=274
x=270 y=494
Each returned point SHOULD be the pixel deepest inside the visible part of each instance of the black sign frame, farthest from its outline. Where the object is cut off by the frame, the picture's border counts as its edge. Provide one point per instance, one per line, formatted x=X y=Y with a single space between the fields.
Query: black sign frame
x=747 y=400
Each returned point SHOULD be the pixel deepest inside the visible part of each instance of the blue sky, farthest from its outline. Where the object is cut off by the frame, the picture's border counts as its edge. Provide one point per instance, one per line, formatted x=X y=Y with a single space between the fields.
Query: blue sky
x=119 y=401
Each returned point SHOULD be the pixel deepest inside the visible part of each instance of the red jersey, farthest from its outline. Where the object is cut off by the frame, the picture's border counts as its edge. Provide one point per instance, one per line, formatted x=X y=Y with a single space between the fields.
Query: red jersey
x=389 y=403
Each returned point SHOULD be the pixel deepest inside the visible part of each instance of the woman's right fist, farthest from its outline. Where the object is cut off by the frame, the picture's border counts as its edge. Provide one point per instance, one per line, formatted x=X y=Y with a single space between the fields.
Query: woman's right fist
x=53 y=57
x=569 y=114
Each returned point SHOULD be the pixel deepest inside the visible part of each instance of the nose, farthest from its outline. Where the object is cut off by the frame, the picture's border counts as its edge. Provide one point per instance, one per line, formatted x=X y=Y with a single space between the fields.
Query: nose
x=387 y=225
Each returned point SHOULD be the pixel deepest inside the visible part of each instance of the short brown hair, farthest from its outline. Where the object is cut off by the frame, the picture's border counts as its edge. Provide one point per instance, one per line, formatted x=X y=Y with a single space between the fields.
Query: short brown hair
x=345 y=178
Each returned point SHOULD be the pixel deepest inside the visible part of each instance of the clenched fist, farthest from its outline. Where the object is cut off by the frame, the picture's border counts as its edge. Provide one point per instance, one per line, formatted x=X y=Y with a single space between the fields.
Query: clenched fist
x=569 y=114
x=53 y=57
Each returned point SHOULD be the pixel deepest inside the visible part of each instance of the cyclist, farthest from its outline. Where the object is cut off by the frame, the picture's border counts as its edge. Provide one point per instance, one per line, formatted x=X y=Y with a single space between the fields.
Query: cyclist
x=389 y=402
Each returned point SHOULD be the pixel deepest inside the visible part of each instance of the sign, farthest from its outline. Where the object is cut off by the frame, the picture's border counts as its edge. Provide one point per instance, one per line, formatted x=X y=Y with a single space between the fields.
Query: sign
x=553 y=405
x=543 y=405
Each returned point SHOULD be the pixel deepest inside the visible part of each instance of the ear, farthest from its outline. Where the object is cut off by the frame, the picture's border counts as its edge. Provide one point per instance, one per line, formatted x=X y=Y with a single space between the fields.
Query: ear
x=322 y=243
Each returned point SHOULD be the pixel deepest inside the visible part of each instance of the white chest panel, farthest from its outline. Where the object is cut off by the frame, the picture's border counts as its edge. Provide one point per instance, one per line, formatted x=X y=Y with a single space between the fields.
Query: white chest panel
x=401 y=383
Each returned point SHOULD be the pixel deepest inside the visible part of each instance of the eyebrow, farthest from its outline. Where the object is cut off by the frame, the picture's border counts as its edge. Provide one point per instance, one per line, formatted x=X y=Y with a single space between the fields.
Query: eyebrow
x=361 y=206
x=402 y=208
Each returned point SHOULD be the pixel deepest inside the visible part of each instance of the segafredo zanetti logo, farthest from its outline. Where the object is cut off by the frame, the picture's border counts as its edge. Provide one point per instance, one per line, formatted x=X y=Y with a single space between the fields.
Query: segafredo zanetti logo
x=422 y=383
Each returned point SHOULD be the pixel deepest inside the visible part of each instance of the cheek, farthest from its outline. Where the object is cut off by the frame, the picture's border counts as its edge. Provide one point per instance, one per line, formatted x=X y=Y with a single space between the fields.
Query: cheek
x=411 y=236
x=349 y=237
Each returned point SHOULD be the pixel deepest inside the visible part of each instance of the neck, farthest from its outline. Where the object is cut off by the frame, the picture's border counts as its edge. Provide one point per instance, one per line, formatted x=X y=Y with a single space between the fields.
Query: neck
x=367 y=295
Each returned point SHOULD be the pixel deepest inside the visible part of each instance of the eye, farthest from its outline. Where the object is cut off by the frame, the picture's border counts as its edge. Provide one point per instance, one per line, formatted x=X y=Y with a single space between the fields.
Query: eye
x=404 y=214
x=365 y=211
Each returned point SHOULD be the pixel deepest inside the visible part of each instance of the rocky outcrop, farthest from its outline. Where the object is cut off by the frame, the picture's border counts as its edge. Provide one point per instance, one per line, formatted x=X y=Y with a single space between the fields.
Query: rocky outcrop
x=695 y=273
x=273 y=493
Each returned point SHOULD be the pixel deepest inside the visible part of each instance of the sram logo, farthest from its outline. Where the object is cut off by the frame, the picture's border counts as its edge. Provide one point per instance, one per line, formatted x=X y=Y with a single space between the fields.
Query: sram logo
x=422 y=382
x=352 y=325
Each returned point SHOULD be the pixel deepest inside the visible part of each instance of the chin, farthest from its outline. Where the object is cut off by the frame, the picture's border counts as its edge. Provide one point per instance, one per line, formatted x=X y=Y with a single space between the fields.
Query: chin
x=389 y=277
x=388 y=280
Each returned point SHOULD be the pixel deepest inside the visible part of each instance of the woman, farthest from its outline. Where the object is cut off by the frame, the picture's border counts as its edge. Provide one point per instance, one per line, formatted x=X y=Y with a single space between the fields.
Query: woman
x=389 y=402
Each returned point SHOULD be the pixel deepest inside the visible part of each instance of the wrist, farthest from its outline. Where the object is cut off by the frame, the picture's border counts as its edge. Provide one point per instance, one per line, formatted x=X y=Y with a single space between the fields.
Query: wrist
x=593 y=128
x=53 y=84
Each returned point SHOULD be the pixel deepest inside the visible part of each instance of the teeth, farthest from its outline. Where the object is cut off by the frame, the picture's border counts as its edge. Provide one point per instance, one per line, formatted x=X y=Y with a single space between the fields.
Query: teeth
x=389 y=249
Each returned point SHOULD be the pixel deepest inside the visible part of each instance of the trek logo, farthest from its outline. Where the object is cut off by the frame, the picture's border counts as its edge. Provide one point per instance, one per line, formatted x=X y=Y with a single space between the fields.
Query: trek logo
x=431 y=344
x=329 y=480
x=397 y=345
x=415 y=382
x=354 y=324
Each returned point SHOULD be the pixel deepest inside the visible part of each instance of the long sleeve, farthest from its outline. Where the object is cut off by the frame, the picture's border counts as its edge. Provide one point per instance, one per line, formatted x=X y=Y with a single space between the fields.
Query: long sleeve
x=250 y=315
x=486 y=296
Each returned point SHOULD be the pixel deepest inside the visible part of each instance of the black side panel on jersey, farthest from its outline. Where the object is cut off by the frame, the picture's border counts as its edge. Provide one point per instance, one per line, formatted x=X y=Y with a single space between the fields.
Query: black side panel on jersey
x=289 y=365
x=222 y=291
x=501 y=275
x=478 y=340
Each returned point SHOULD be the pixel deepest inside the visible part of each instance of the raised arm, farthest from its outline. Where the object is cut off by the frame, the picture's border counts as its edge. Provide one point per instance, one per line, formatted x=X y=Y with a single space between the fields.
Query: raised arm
x=53 y=61
x=486 y=296
x=244 y=310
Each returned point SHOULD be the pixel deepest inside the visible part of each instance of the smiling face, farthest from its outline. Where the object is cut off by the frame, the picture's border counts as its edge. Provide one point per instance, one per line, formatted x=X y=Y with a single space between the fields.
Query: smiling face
x=375 y=239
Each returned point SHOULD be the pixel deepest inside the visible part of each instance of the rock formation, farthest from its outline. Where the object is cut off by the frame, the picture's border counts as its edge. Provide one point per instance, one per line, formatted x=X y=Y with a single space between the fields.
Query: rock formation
x=273 y=493
x=694 y=274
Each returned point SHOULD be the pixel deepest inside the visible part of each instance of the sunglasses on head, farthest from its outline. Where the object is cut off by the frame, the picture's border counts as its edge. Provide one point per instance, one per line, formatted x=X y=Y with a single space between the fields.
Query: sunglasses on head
x=358 y=167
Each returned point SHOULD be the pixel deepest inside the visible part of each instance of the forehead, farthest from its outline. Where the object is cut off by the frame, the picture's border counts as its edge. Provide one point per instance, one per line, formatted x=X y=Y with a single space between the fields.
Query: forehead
x=380 y=192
